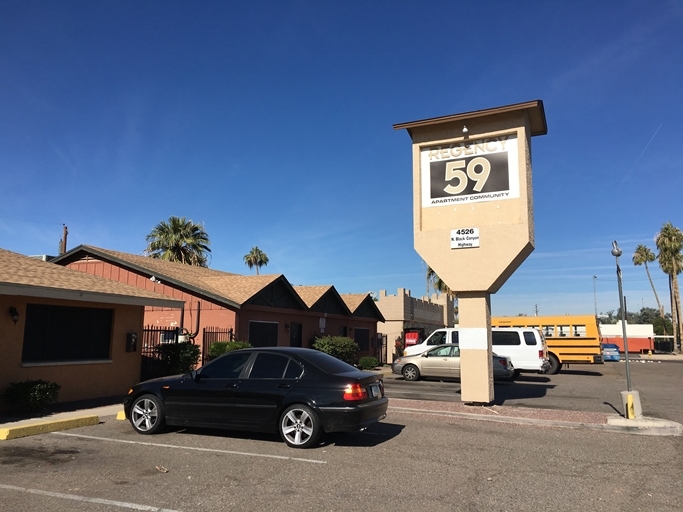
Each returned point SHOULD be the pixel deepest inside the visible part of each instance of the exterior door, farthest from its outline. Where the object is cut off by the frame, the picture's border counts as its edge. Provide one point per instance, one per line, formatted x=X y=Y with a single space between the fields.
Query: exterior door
x=439 y=363
x=295 y=335
x=261 y=394
x=211 y=397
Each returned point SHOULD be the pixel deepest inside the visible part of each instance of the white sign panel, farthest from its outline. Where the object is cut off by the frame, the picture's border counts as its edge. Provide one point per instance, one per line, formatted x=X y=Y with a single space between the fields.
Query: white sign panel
x=470 y=171
x=464 y=238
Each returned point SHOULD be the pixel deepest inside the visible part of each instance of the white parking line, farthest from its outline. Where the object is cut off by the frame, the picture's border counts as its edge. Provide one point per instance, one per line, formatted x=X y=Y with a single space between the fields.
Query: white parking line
x=76 y=497
x=213 y=450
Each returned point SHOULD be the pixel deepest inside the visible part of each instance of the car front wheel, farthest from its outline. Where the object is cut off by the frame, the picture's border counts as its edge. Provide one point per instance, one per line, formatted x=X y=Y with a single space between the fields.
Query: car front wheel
x=299 y=426
x=410 y=372
x=147 y=414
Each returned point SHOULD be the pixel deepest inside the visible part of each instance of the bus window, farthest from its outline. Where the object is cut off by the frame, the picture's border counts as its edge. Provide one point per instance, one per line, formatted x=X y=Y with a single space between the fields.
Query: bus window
x=564 y=330
x=579 y=331
x=549 y=330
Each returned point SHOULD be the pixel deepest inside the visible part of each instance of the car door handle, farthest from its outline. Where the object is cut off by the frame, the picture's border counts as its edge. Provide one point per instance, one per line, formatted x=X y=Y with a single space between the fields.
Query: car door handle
x=284 y=386
x=231 y=386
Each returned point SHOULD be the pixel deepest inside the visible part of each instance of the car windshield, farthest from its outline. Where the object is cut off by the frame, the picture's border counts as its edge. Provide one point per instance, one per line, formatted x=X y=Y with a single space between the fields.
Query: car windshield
x=329 y=363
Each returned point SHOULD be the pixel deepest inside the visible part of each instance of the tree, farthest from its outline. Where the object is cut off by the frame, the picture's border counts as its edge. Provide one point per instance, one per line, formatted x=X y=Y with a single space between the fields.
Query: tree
x=669 y=243
x=256 y=258
x=643 y=256
x=435 y=282
x=179 y=240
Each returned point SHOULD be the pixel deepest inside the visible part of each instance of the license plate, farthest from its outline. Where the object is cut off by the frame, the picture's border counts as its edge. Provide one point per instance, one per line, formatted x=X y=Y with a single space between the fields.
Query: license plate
x=374 y=390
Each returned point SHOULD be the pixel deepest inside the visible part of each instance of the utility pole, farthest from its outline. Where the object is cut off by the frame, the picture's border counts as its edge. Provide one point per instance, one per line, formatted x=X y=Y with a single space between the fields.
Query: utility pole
x=62 y=242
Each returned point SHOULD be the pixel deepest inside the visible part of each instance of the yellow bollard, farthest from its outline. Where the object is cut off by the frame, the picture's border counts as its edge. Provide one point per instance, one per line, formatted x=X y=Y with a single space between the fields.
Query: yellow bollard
x=649 y=353
x=630 y=410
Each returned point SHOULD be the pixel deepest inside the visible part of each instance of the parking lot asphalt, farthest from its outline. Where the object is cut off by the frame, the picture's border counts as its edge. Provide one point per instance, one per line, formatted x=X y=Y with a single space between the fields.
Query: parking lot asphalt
x=84 y=415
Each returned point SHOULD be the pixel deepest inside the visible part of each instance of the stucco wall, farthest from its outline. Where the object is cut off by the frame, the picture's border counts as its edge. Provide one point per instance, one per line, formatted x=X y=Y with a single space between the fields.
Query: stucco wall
x=80 y=380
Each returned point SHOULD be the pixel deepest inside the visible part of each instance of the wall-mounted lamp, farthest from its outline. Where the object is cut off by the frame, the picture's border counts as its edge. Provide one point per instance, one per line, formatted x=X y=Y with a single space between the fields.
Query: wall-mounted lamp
x=464 y=129
x=14 y=314
x=286 y=327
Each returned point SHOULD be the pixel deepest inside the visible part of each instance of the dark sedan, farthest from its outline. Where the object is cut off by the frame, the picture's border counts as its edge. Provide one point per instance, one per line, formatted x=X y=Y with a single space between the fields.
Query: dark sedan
x=300 y=393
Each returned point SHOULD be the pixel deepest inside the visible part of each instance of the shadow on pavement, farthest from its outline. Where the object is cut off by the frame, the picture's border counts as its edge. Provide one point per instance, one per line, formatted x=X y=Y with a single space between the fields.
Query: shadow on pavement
x=374 y=435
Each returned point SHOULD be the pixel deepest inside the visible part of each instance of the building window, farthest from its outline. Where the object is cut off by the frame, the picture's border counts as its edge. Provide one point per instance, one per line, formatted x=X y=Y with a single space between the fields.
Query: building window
x=263 y=334
x=64 y=333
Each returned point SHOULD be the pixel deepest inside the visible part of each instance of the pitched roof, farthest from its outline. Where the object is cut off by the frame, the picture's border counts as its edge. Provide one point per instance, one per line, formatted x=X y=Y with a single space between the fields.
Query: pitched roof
x=311 y=294
x=224 y=287
x=323 y=298
x=31 y=277
x=361 y=304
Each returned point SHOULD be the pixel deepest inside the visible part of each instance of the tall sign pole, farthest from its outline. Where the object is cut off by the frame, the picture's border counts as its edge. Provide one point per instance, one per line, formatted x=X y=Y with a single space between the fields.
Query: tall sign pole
x=473 y=216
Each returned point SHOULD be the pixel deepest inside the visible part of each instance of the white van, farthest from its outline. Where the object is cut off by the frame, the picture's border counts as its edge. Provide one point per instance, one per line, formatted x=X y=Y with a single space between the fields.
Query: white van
x=525 y=346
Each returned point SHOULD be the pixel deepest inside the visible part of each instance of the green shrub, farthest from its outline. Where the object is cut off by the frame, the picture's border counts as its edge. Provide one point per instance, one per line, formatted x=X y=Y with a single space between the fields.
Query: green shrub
x=221 y=347
x=368 y=363
x=338 y=346
x=178 y=357
x=32 y=395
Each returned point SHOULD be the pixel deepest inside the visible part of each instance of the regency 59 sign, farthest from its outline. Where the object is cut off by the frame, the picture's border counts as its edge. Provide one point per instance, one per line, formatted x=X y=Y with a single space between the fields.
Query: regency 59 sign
x=470 y=171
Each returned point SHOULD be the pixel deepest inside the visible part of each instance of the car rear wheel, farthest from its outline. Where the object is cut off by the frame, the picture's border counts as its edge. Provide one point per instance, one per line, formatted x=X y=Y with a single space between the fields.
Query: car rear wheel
x=299 y=426
x=410 y=372
x=555 y=364
x=147 y=414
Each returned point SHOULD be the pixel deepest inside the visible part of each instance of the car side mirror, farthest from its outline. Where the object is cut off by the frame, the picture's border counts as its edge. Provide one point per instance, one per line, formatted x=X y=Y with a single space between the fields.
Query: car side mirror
x=195 y=375
x=425 y=355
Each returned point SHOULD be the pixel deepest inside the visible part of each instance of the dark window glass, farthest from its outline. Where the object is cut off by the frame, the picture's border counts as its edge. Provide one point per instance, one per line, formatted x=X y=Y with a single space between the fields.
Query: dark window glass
x=294 y=370
x=529 y=338
x=437 y=338
x=454 y=337
x=65 y=333
x=226 y=367
x=329 y=363
x=268 y=366
x=505 y=338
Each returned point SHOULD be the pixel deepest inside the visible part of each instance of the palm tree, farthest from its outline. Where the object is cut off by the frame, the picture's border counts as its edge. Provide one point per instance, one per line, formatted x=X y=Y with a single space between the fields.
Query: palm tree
x=435 y=282
x=669 y=242
x=179 y=240
x=643 y=256
x=256 y=258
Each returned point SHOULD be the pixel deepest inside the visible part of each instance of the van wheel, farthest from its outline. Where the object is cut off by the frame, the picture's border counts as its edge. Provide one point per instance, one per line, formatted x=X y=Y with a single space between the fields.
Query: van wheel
x=410 y=372
x=555 y=364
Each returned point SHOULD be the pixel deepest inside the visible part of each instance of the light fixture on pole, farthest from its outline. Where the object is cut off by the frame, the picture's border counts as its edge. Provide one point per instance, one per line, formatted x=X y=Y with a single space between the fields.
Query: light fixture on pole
x=630 y=398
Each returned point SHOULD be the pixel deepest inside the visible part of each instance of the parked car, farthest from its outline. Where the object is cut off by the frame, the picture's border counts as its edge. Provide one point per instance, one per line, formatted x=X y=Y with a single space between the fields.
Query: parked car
x=300 y=393
x=444 y=361
x=610 y=352
x=525 y=346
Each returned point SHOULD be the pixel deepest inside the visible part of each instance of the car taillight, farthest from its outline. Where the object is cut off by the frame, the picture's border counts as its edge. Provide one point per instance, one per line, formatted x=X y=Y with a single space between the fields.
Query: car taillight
x=540 y=354
x=355 y=392
x=503 y=362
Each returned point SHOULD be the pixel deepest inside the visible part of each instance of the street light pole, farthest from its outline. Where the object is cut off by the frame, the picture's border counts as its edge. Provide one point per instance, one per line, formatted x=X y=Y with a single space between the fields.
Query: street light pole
x=630 y=399
x=595 y=297
x=616 y=252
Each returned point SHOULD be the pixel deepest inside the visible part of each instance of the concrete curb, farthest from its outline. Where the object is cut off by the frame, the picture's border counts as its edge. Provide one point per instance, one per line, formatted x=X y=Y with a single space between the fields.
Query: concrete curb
x=646 y=426
x=618 y=424
x=47 y=426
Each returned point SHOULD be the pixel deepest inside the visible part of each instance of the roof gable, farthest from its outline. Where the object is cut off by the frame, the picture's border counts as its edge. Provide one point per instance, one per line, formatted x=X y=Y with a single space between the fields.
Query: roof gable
x=362 y=305
x=323 y=299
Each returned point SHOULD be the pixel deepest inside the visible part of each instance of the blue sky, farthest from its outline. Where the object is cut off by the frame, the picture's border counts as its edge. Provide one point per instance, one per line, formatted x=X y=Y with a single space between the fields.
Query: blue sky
x=271 y=122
